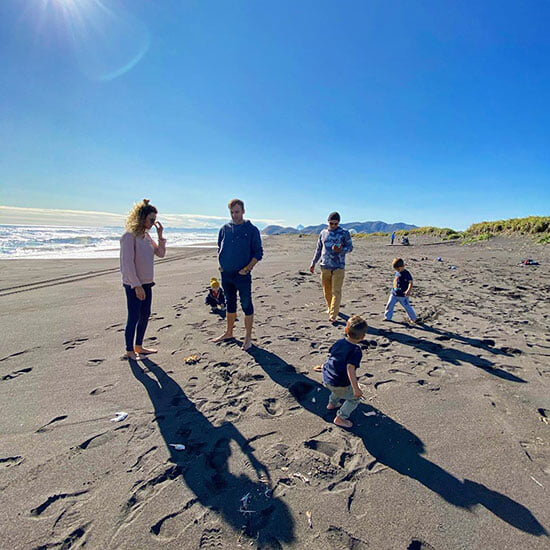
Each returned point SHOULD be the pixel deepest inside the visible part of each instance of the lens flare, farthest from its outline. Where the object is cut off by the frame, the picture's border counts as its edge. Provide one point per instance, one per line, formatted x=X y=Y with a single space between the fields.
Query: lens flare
x=107 y=41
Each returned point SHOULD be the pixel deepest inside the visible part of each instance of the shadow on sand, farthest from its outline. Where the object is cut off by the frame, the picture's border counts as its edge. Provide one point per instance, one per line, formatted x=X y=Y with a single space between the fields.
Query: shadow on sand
x=396 y=447
x=204 y=463
x=447 y=355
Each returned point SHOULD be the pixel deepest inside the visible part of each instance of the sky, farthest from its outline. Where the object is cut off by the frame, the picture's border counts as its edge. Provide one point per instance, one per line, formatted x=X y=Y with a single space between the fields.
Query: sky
x=427 y=112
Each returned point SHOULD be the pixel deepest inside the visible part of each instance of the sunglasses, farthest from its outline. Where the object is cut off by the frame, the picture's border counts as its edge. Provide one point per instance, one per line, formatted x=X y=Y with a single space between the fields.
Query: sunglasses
x=333 y=223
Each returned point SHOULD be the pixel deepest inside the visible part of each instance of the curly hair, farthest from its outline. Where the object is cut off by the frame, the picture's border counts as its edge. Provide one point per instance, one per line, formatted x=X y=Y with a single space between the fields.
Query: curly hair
x=135 y=222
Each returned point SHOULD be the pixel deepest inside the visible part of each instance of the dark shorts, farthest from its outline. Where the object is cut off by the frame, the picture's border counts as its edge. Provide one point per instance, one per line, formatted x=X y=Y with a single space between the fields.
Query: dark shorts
x=233 y=283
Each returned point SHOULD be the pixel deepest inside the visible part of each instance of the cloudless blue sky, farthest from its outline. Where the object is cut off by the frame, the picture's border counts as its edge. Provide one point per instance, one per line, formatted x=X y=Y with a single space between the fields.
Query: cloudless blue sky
x=429 y=112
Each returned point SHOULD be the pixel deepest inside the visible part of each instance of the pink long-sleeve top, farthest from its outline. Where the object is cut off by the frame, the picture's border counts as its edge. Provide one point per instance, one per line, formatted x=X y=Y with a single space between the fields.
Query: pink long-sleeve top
x=137 y=258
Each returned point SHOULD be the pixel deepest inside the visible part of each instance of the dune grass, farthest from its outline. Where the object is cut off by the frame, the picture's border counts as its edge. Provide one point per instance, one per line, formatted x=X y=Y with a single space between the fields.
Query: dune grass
x=531 y=225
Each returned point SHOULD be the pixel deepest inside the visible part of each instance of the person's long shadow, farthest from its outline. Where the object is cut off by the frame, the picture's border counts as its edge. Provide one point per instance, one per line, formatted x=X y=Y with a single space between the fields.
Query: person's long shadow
x=485 y=344
x=448 y=355
x=203 y=464
x=396 y=447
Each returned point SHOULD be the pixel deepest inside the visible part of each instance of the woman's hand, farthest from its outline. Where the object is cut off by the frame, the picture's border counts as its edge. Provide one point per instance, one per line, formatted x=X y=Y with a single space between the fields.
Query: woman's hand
x=244 y=271
x=140 y=293
x=160 y=229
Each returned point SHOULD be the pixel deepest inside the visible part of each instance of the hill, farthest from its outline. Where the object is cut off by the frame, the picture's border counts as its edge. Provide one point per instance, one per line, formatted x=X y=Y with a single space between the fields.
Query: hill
x=360 y=227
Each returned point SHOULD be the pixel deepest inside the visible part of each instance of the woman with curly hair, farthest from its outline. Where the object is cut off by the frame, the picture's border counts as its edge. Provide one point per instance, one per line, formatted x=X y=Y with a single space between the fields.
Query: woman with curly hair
x=137 y=251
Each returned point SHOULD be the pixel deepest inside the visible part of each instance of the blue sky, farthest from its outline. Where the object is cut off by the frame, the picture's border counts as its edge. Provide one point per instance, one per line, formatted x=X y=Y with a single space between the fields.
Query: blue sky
x=428 y=112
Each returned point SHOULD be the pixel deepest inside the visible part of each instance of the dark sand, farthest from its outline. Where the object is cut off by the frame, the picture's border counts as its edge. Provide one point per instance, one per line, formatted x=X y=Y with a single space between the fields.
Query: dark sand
x=456 y=454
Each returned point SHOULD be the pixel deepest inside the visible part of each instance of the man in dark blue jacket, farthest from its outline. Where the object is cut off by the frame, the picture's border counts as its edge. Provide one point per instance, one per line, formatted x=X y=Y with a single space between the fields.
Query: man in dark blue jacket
x=239 y=250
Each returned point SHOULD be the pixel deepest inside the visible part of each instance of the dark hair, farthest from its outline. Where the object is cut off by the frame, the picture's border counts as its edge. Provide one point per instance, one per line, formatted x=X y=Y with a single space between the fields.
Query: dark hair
x=234 y=202
x=357 y=327
x=397 y=262
x=334 y=216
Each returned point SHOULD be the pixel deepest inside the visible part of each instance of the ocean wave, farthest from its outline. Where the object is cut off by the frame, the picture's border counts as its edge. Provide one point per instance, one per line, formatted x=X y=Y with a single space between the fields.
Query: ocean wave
x=82 y=242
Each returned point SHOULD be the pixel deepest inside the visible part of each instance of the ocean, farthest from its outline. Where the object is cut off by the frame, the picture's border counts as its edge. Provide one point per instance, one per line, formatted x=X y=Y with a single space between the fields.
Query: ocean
x=47 y=242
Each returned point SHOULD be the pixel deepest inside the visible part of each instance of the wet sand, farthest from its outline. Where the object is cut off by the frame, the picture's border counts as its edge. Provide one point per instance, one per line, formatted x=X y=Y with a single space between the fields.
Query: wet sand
x=450 y=449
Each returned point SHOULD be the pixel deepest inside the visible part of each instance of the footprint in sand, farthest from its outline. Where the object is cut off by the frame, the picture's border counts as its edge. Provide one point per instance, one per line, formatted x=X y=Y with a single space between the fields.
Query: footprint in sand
x=272 y=406
x=418 y=544
x=339 y=539
x=16 y=373
x=41 y=508
x=16 y=354
x=538 y=452
x=45 y=428
x=163 y=328
x=383 y=383
x=398 y=371
x=94 y=362
x=9 y=461
x=71 y=344
x=115 y=326
x=328 y=449
x=102 y=389
x=211 y=539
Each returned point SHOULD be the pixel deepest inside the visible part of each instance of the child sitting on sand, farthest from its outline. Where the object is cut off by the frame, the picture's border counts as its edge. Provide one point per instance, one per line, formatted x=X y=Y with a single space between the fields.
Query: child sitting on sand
x=339 y=371
x=215 y=297
x=402 y=285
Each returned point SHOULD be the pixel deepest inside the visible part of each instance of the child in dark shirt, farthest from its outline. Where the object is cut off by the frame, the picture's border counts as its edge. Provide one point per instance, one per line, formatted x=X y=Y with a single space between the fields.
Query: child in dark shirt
x=402 y=286
x=339 y=371
x=215 y=297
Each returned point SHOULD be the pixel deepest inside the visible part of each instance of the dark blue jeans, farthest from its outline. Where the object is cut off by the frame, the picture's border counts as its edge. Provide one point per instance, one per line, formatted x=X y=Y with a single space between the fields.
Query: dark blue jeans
x=233 y=283
x=138 y=315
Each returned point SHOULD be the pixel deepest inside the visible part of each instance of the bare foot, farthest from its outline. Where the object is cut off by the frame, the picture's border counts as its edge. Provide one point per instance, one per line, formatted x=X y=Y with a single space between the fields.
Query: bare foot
x=131 y=355
x=144 y=351
x=342 y=422
x=247 y=344
x=331 y=407
x=318 y=368
x=224 y=336
x=331 y=320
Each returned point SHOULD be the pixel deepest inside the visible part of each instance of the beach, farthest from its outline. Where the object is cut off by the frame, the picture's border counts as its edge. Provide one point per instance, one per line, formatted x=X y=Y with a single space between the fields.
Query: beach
x=450 y=448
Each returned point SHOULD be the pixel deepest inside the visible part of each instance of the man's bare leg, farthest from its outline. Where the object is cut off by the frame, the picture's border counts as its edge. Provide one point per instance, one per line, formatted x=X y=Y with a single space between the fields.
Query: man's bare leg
x=248 y=322
x=228 y=334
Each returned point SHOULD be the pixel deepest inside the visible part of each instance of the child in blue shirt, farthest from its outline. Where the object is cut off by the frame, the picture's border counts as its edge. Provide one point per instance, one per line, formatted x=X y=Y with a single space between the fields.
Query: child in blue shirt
x=339 y=371
x=402 y=286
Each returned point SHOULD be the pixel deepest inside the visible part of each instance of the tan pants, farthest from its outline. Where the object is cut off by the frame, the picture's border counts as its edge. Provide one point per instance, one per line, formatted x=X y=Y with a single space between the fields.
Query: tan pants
x=332 y=281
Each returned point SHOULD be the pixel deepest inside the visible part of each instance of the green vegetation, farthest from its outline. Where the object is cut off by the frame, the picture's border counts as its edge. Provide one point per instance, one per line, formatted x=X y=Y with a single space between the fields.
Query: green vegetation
x=525 y=226
x=443 y=232
x=477 y=238
x=533 y=225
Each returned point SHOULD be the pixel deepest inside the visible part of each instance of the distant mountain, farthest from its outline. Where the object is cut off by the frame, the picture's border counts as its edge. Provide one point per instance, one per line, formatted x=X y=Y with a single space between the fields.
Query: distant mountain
x=360 y=227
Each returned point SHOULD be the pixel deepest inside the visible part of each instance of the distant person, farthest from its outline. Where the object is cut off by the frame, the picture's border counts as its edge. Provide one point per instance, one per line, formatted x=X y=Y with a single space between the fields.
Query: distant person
x=405 y=240
x=402 y=286
x=392 y=237
x=339 y=371
x=239 y=250
x=333 y=245
x=215 y=297
x=137 y=251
